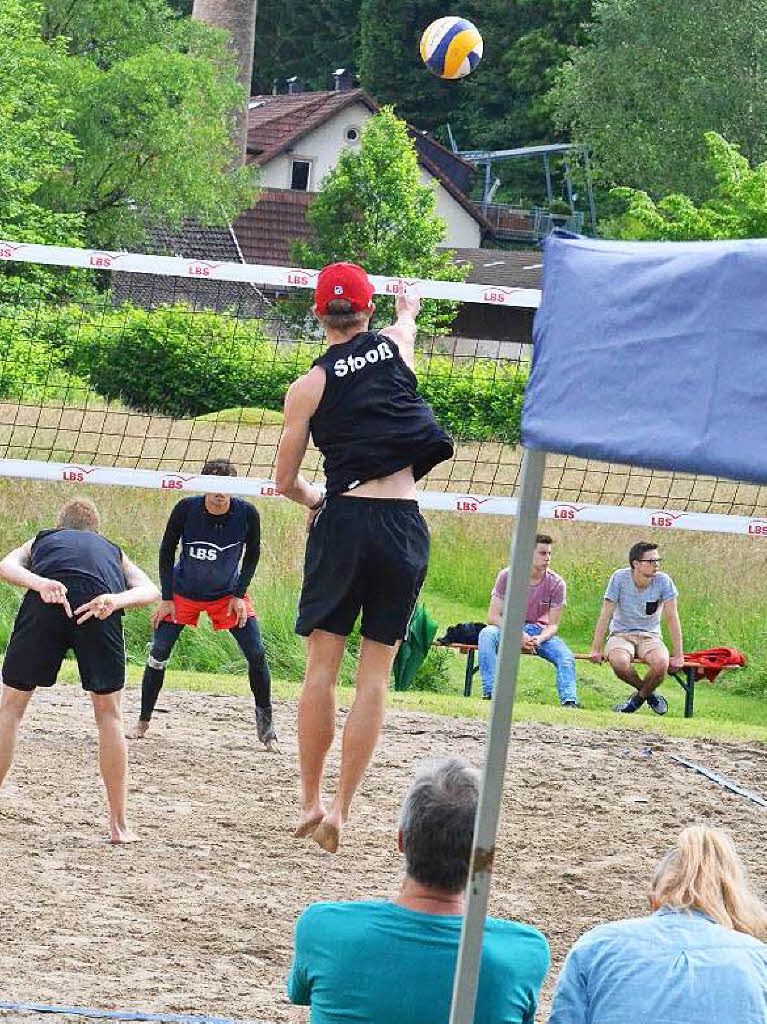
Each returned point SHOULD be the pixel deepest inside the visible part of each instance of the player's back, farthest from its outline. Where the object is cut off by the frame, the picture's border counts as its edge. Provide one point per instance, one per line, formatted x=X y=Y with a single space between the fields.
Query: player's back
x=86 y=562
x=378 y=962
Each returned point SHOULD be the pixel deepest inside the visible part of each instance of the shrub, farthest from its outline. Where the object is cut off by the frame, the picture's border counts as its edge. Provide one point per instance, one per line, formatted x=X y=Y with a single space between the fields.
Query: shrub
x=180 y=362
x=30 y=369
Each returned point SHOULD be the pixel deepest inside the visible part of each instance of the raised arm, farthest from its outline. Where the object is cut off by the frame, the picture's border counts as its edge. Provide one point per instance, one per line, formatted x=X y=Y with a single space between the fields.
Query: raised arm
x=595 y=654
x=671 y=611
x=403 y=330
x=14 y=569
x=301 y=403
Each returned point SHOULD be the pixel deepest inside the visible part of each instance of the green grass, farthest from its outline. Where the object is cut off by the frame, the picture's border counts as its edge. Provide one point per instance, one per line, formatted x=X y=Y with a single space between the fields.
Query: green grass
x=247 y=415
x=722 y=597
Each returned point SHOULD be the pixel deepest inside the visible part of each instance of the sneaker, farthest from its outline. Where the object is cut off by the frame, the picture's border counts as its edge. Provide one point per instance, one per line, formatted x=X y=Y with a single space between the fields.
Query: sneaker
x=487 y=696
x=265 y=729
x=628 y=707
x=572 y=704
x=657 y=703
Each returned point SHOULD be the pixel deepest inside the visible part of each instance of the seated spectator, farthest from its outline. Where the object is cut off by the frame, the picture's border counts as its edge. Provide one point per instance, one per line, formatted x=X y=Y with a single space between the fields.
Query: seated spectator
x=697 y=959
x=634 y=601
x=393 y=962
x=545 y=601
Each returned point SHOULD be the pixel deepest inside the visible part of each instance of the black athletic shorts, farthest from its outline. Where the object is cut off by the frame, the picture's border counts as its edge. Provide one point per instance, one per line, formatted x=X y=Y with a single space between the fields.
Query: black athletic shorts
x=42 y=635
x=363 y=553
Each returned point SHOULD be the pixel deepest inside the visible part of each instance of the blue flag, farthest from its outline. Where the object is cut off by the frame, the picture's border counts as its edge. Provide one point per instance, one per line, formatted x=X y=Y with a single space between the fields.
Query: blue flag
x=652 y=354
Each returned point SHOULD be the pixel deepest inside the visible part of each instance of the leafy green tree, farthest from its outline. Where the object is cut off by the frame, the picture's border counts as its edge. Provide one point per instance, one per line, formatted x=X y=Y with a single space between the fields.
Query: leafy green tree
x=737 y=207
x=149 y=98
x=655 y=77
x=373 y=210
x=281 y=34
x=35 y=149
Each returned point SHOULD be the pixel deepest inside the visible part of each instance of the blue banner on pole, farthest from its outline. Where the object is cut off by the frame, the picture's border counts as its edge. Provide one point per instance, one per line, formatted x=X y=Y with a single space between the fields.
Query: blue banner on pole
x=652 y=354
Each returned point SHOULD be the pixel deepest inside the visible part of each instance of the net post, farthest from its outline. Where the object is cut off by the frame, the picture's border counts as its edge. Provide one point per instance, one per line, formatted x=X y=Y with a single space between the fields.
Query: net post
x=491 y=789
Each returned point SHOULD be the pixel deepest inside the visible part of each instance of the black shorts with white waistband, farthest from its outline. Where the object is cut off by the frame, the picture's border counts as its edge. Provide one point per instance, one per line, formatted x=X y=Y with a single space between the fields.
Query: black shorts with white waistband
x=42 y=634
x=363 y=554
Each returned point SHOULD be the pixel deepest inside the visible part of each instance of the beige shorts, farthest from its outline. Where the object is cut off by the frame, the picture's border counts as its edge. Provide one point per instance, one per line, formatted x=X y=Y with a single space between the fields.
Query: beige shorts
x=637 y=645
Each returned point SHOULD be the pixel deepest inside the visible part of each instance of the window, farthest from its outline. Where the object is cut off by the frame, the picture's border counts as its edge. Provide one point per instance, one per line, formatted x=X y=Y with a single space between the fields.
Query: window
x=352 y=134
x=299 y=175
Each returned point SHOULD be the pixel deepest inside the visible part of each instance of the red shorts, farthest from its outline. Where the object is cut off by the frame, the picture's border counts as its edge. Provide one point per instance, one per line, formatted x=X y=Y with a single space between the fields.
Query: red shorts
x=187 y=612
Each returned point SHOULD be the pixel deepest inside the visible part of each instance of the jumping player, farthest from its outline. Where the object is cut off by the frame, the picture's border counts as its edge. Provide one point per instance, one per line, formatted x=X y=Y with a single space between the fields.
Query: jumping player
x=368 y=544
x=215 y=531
x=73 y=566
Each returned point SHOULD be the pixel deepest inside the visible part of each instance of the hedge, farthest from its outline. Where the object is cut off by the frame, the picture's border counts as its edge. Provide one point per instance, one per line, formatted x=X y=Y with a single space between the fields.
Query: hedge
x=180 y=362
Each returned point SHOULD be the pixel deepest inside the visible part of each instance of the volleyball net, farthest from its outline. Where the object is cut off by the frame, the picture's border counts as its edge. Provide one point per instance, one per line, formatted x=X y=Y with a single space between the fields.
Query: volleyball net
x=133 y=369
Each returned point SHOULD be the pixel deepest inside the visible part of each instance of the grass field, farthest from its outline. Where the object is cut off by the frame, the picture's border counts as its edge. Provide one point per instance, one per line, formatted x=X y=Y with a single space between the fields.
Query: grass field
x=722 y=597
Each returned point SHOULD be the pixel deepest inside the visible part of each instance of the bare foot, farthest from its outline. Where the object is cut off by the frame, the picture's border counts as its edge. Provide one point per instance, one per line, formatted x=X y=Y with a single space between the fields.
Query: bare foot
x=121 y=834
x=139 y=730
x=272 y=746
x=328 y=832
x=308 y=821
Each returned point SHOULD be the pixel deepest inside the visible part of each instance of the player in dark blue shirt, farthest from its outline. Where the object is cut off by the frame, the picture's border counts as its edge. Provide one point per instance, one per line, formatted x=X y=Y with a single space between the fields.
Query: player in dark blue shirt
x=219 y=537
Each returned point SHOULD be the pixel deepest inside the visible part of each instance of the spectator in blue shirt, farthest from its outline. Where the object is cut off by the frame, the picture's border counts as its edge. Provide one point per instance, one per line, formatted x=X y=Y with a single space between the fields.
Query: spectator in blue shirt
x=393 y=962
x=698 y=958
x=635 y=599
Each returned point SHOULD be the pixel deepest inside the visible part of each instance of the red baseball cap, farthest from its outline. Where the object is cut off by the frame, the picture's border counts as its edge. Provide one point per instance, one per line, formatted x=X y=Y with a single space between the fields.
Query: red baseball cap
x=343 y=281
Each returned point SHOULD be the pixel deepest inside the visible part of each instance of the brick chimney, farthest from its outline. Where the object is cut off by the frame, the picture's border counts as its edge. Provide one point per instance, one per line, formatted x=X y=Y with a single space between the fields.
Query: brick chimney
x=343 y=80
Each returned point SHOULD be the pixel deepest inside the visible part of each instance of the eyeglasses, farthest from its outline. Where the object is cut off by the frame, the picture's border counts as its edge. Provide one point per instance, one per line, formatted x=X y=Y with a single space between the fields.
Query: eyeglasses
x=651 y=561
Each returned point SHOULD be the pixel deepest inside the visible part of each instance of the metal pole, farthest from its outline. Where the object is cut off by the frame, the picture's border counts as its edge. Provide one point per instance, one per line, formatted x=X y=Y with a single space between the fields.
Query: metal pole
x=491 y=790
x=547 y=172
x=486 y=196
x=569 y=184
x=590 y=191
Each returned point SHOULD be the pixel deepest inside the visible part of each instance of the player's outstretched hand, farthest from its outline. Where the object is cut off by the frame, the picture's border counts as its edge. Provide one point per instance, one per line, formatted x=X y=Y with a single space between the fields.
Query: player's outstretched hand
x=54 y=592
x=100 y=607
x=238 y=607
x=164 y=610
x=407 y=305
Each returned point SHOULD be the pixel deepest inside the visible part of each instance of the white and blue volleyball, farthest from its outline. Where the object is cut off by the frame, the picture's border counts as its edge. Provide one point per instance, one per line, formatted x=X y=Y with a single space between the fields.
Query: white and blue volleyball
x=451 y=47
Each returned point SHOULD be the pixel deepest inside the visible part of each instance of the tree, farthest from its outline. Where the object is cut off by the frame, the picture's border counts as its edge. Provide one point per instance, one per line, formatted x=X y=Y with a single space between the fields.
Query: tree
x=281 y=34
x=35 y=149
x=737 y=207
x=149 y=99
x=373 y=210
x=655 y=77
x=503 y=103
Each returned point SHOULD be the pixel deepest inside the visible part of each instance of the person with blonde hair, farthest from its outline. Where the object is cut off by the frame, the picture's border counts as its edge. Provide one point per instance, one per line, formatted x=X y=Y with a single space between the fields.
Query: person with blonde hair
x=699 y=957
x=78 y=585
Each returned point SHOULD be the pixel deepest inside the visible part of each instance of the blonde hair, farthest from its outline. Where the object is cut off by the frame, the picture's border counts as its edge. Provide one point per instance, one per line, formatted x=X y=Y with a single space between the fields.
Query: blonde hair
x=704 y=872
x=79 y=514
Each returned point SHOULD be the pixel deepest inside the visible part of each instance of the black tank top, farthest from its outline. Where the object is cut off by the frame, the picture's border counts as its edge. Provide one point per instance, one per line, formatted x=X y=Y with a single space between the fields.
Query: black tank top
x=87 y=563
x=371 y=421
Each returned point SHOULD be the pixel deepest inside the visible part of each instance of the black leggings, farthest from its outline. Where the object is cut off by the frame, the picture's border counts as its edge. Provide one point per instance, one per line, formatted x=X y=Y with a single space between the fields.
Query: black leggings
x=167 y=633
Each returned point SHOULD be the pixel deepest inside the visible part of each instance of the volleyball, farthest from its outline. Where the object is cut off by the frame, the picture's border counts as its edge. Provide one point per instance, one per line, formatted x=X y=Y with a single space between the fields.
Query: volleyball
x=451 y=47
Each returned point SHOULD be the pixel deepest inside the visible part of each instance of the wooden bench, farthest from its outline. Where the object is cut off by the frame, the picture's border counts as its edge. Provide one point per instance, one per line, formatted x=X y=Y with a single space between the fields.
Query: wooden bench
x=687 y=676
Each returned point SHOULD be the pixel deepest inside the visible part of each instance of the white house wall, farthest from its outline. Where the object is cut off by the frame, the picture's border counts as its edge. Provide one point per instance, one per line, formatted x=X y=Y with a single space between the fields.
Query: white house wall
x=322 y=147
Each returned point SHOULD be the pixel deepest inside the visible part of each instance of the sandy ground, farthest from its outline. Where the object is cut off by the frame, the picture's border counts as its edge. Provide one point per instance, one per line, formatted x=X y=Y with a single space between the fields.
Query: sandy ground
x=198 y=917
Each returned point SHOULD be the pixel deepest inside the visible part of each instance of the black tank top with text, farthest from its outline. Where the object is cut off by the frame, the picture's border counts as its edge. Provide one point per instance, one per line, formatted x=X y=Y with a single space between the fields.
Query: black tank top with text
x=371 y=421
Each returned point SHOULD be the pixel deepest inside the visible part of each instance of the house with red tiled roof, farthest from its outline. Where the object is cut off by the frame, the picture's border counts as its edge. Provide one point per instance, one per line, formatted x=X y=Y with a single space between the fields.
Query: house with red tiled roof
x=295 y=139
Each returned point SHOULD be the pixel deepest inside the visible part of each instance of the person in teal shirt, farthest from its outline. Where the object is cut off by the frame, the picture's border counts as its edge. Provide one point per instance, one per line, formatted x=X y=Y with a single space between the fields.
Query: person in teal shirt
x=384 y=962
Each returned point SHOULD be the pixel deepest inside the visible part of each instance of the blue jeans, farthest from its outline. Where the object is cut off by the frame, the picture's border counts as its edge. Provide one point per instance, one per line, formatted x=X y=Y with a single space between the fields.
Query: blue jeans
x=554 y=650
